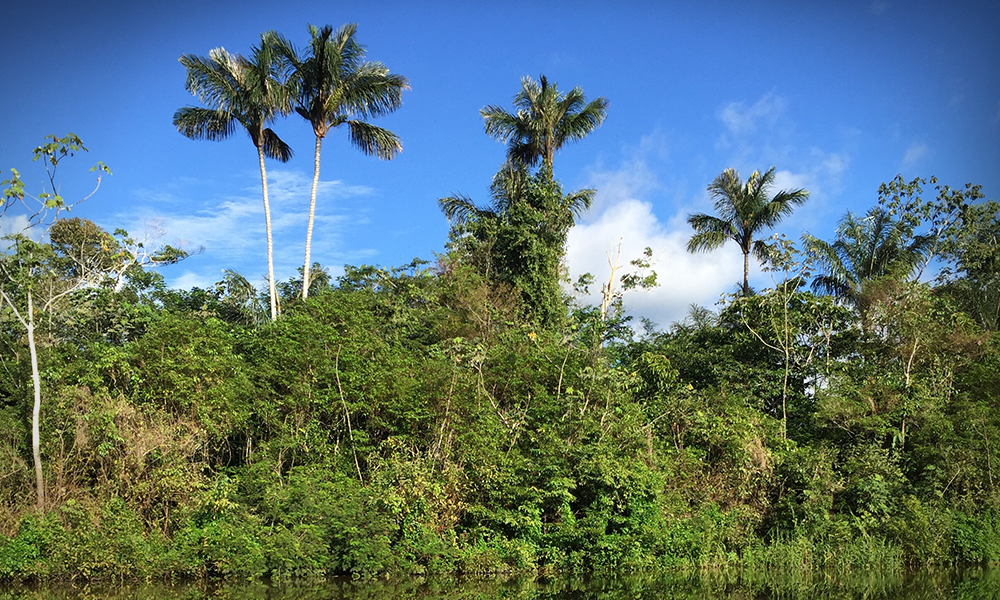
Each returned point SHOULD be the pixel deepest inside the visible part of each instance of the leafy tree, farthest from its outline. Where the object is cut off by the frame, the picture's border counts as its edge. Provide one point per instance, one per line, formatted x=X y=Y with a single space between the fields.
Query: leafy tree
x=22 y=270
x=335 y=87
x=242 y=92
x=744 y=209
x=970 y=240
x=44 y=209
x=520 y=243
x=642 y=277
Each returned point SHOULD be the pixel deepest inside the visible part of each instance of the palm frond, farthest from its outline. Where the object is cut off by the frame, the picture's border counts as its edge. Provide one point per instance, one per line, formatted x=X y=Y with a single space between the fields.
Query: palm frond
x=274 y=147
x=373 y=140
x=371 y=91
x=710 y=232
x=578 y=125
x=204 y=123
x=508 y=185
x=580 y=201
x=460 y=209
x=213 y=80
x=499 y=124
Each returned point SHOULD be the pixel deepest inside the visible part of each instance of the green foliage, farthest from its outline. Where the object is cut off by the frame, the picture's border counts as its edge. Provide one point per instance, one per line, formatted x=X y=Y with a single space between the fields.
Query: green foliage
x=521 y=244
x=461 y=420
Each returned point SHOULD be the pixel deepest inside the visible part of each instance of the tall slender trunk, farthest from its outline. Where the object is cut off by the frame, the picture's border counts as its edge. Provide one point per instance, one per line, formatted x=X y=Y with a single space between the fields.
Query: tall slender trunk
x=746 y=274
x=272 y=290
x=36 y=381
x=312 y=213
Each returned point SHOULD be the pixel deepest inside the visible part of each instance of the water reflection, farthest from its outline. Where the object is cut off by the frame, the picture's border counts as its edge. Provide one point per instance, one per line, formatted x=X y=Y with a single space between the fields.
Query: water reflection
x=926 y=585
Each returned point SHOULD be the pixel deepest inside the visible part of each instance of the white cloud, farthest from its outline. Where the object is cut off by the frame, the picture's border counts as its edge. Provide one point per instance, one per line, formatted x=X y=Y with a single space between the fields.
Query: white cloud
x=684 y=278
x=13 y=223
x=914 y=153
x=231 y=227
x=633 y=179
x=742 y=119
x=190 y=279
x=755 y=136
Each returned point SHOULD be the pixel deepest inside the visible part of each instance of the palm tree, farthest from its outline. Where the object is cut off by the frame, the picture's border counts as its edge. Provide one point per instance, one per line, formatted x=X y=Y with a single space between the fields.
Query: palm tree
x=505 y=189
x=337 y=88
x=519 y=240
x=866 y=249
x=744 y=210
x=241 y=92
x=544 y=120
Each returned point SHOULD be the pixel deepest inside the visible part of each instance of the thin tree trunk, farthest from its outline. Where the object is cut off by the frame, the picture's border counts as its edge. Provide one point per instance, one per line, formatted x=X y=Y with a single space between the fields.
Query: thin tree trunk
x=36 y=381
x=272 y=290
x=312 y=213
x=746 y=274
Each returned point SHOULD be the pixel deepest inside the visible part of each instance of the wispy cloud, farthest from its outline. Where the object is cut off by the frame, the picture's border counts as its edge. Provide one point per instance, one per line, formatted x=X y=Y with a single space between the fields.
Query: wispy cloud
x=231 y=227
x=741 y=119
x=763 y=134
x=914 y=153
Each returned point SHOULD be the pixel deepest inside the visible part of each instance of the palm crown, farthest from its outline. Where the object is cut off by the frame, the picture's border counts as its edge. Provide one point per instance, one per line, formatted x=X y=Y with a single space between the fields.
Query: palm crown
x=744 y=209
x=544 y=120
x=866 y=249
x=336 y=87
x=239 y=92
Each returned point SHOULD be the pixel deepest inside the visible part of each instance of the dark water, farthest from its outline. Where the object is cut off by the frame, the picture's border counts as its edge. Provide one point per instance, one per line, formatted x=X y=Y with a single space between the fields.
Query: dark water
x=937 y=585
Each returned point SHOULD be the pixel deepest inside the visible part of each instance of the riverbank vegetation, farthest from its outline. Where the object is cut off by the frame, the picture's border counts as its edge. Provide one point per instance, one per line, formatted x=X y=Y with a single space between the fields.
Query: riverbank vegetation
x=468 y=415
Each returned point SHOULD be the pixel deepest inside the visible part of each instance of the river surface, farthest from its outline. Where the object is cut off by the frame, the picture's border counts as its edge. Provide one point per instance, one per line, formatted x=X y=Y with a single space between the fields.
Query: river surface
x=924 y=585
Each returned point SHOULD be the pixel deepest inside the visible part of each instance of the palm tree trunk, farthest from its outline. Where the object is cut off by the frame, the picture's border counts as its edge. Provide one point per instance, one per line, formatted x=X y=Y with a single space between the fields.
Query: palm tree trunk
x=312 y=213
x=272 y=291
x=746 y=274
x=36 y=381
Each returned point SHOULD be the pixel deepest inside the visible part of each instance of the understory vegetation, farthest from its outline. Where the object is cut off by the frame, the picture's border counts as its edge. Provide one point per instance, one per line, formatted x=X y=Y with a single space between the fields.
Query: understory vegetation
x=430 y=418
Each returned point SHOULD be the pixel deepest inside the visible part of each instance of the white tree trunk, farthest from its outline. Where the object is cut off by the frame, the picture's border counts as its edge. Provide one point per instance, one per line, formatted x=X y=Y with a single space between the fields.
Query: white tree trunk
x=312 y=213
x=36 y=411
x=272 y=290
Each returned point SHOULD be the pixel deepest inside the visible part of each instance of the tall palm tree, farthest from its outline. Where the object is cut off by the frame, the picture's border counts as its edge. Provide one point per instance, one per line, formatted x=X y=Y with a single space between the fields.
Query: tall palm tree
x=337 y=88
x=866 y=249
x=543 y=121
x=461 y=209
x=744 y=209
x=241 y=92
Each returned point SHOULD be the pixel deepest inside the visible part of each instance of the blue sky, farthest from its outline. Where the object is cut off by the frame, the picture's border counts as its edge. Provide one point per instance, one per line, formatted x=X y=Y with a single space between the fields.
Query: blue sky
x=838 y=96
